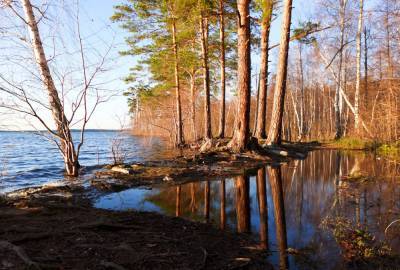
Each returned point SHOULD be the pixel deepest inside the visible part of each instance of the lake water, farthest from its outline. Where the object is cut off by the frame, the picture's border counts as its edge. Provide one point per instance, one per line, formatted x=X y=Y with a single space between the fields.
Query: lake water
x=285 y=207
x=28 y=159
x=282 y=207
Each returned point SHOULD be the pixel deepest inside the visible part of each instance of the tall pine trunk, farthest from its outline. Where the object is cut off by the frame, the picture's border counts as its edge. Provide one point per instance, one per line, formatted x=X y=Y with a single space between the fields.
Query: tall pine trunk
x=180 y=139
x=62 y=125
x=206 y=77
x=241 y=134
x=221 y=131
x=263 y=80
x=275 y=131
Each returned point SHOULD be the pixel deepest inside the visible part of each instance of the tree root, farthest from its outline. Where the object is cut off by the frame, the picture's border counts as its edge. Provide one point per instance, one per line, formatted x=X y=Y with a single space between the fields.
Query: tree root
x=20 y=252
x=112 y=265
x=106 y=226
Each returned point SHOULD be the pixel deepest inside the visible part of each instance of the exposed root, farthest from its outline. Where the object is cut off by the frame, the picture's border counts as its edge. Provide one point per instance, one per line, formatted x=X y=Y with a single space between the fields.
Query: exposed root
x=112 y=265
x=20 y=252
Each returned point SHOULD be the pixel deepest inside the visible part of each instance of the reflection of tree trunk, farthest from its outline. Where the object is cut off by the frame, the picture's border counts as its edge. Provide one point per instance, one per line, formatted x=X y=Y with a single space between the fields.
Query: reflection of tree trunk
x=222 y=213
x=178 y=201
x=356 y=170
x=262 y=206
x=275 y=179
x=192 y=197
x=207 y=200
x=242 y=203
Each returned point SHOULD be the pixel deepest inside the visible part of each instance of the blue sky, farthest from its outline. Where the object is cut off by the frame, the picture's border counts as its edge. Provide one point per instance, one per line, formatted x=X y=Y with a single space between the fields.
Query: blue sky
x=110 y=115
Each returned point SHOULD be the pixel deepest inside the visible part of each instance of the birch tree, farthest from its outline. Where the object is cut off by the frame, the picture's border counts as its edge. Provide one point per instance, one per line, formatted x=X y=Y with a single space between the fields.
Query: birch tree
x=21 y=100
x=358 y=71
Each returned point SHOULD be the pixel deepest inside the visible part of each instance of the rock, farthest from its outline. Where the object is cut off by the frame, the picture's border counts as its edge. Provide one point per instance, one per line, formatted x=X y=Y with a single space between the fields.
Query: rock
x=122 y=170
x=167 y=178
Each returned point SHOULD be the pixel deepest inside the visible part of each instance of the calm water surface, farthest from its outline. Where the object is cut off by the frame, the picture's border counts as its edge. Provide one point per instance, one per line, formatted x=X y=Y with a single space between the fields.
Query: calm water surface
x=284 y=207
x=27 y=159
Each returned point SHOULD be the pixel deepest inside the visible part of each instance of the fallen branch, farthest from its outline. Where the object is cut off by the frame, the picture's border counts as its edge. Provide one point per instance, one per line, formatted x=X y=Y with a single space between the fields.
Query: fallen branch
x=393 y=222
x=20 y=252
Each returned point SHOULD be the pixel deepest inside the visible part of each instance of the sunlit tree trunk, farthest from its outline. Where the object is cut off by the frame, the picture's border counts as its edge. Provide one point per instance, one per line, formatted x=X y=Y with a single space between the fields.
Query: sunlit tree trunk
x=366 y=67
x=241 y=134
x=275 y=131
x=358 y=72
x=61 y=122
x=180 y=138
x=338 y=110
x=263 y=80
x=193 y=103
x=302 y=116
x=206 y=77
x=221 y=132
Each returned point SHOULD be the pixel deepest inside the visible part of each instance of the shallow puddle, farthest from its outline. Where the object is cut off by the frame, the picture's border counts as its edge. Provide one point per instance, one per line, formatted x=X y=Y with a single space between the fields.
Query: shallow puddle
x=285 y=207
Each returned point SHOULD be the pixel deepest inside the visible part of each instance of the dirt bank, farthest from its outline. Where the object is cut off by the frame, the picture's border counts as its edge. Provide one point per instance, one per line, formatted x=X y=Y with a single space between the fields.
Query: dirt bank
x=61 y=234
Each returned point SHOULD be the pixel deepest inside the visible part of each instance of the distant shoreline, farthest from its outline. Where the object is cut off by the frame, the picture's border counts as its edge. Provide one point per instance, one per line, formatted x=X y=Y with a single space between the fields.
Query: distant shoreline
x=73 y=130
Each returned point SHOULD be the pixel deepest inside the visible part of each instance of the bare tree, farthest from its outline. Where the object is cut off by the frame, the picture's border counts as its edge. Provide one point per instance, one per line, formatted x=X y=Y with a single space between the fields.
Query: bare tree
x=358 y=71
x=20 y=100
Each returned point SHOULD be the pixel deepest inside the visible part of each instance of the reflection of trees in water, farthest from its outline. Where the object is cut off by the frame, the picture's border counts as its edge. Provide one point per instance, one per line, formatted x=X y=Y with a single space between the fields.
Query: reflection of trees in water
x=275 y=181
x=310 y=188
x=242 y=203
x=262 y=207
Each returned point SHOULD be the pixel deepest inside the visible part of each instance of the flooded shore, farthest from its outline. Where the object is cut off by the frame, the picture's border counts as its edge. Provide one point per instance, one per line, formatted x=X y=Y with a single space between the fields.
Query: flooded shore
x=287 y=207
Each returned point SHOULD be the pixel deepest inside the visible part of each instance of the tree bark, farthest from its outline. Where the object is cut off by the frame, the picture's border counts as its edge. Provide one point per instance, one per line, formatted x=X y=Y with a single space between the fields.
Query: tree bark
x=366 y=67
x=358 y=72
x=221 y=132
x=338 y=109
x=206 y=77
x=241 y=134
x=262 y=97
x=180 y=139
x=275 y=131
x=193 y=103
x=63 y=131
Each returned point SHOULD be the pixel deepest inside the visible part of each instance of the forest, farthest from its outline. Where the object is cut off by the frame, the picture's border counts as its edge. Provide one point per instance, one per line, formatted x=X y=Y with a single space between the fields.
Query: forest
x=356 y=96
x=199 y=134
